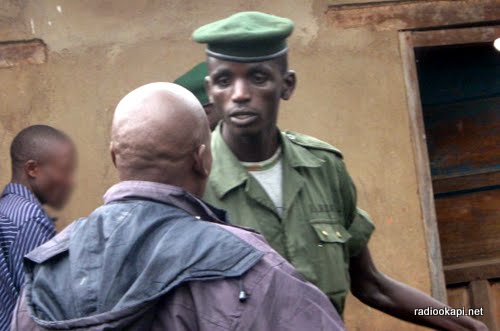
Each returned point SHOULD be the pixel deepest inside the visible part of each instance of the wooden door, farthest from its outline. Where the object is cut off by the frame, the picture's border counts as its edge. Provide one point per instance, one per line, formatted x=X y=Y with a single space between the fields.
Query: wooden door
x=460 y=94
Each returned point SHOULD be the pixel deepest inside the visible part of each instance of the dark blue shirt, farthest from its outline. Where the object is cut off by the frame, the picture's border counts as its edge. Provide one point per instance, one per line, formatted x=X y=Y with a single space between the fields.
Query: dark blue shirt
x=24 y=225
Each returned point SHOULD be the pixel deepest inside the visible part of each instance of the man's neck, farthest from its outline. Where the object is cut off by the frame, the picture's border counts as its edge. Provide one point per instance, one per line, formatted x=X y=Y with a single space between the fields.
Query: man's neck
x=21 y=180
x=17 y=179
x=255 y=148
x=183 y=181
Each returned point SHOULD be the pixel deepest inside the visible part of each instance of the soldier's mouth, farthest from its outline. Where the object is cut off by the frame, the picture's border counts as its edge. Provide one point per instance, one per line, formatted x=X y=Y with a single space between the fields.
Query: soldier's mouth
x=243 y=118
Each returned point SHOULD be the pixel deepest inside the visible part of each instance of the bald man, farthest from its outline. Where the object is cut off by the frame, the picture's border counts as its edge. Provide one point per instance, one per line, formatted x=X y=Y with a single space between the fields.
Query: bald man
x=43 y=165
x=156 y=257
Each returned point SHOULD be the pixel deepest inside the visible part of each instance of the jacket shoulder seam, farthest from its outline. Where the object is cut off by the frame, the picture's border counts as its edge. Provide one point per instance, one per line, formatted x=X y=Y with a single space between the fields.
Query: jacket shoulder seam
x=311 y=142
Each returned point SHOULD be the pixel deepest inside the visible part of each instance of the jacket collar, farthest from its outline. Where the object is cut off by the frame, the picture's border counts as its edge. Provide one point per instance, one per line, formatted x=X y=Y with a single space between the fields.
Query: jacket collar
x=169 y=194
x=230 y=173
x=226 y=168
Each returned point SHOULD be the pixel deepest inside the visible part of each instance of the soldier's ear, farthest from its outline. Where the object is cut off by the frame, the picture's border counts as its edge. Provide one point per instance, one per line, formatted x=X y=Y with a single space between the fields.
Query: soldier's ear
x=208 y=86
x=289 y=83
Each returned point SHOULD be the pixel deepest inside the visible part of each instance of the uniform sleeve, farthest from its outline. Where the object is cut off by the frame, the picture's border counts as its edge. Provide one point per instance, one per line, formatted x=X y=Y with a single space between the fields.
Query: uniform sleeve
x=359 y=223
x=361 y=230
x=31 y=235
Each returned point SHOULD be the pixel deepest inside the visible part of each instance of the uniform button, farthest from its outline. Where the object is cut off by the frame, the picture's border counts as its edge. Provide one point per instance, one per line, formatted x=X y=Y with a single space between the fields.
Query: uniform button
x=338 y=234
x=198 y=217
x=324 y=232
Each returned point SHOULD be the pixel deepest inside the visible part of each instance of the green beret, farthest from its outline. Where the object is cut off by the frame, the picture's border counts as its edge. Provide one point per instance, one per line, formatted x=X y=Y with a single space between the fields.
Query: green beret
x=246 y=37
x=194 y=81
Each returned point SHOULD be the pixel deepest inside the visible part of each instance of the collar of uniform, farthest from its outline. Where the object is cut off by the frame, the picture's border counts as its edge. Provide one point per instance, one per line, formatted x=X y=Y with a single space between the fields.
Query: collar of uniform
x=22 y=191
x=297 y=155
x=168 y=194
x=227 y=169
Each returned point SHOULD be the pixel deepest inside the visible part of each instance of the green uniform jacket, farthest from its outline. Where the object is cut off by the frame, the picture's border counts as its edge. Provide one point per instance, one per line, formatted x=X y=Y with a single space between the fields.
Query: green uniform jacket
x=321 y=227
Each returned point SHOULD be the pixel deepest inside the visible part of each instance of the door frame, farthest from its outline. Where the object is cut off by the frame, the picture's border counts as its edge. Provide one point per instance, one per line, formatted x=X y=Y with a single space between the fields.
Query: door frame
x=409 y=40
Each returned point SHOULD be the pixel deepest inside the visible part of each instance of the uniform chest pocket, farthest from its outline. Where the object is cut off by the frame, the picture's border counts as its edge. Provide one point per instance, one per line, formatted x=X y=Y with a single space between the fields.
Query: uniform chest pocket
x=331 y=259
x=329 y=231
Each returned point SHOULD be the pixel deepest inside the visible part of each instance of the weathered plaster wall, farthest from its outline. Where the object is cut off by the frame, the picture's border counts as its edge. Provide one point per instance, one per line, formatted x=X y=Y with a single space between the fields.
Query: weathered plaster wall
x=351 y=93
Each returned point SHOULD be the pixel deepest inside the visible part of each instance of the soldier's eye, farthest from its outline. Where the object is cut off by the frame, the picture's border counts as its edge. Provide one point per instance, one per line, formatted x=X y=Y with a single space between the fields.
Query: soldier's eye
x=259 y=78
x=223 y=81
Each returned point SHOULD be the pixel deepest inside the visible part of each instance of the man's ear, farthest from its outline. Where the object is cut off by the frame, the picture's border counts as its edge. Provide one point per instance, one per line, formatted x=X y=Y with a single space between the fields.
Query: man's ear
x=31 y=168
x=113 y=155
x=208 y=86
x=113 y=158
x=289 y=83
x=202 y=161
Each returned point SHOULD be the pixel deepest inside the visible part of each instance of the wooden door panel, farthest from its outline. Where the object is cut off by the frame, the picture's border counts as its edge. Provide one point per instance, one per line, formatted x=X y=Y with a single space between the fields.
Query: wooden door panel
x=496 y=297
x=469 y=226
x=463 y=138
x=458 y=297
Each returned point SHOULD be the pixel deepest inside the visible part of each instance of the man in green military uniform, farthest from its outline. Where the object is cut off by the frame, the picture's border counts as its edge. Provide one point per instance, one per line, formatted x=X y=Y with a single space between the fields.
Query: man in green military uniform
x=194 y=81
x=293 y=188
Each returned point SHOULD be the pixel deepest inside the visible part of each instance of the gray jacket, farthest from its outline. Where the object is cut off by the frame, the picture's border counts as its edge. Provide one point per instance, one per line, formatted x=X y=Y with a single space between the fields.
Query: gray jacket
x=156 y=258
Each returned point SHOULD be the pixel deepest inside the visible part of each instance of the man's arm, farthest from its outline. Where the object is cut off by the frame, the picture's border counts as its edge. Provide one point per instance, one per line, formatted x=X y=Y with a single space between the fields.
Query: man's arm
x=31 y=235
x=399 y=300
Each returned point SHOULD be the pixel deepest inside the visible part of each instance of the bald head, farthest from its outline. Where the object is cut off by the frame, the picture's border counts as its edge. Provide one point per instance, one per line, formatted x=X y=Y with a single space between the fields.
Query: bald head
x=160 y=133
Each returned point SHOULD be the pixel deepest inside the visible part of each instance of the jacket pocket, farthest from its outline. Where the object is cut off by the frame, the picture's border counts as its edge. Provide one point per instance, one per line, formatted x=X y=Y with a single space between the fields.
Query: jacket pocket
x=331 y=259
x=329 y=231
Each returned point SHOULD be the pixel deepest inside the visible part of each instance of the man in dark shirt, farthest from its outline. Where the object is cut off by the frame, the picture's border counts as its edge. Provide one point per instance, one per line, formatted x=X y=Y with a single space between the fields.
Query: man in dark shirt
x=43 y=163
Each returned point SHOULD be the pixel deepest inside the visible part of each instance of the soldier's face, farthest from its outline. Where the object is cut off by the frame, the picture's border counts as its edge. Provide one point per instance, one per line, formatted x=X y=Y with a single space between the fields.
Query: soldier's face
x=248 y=94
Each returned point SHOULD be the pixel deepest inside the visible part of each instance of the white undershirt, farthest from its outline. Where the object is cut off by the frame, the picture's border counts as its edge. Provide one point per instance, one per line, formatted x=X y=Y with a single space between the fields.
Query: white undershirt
x=270 y=177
